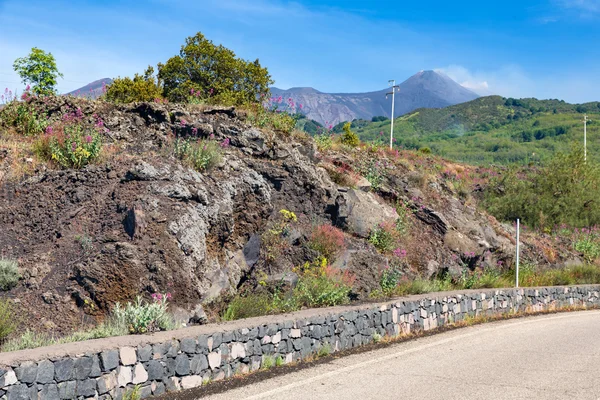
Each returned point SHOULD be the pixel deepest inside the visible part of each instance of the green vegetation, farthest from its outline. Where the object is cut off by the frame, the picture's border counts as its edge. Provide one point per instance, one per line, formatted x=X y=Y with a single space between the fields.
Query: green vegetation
x=268 y=361
x=492 y=130
x=133 y=394
x=529 y=276
x=202 y=154
x=319 y=285
x=349 y=138
x=383 y=237
x=566 y=191
x=138 y=317
x=75 y=148
x=39 y=70
x=9 y=274
x=214 y=73
x=140 y=88
x=8 y=322
x=143 y=316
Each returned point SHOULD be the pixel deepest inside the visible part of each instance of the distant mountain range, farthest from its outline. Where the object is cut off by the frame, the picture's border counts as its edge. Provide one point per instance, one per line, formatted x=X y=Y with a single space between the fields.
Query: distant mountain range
x=92 y=90
x=425 y=89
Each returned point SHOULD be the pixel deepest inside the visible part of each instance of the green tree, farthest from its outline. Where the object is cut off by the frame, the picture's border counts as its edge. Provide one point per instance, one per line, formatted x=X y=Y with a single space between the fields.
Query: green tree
x=141 y=88
x=215 y=72
x=564 y=191
x=349 y=138
x=39 y=70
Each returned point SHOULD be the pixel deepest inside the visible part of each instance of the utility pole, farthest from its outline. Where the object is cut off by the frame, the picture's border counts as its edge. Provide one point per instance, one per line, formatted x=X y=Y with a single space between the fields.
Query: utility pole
x=517 y=264
x=585 y=138
x=392 y=83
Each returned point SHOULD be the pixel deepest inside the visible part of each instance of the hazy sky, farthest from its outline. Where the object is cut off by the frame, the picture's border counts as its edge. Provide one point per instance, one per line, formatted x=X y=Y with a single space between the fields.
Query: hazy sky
x=540 y=48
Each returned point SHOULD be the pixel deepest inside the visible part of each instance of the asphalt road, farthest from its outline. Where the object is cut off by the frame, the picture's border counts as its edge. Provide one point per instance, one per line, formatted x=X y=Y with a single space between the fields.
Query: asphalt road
x=548 y=357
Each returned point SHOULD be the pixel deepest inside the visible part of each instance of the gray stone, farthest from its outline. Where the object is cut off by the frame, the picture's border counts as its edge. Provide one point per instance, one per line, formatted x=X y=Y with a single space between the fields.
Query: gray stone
x=217 y=340
x=96 y=370
x=227 y=338
x=45 y=372
x=145 y=392
x=63 y=369
x=182 y=365
x=67 y=390
x=109 y=360
x=107 y=382
x=18 y=392
x=159 y=389
x=188 y=345
x=86 y=387
x=83 y=367
x=160 y=350
x=144 y=353
x=26 y=372
x=173 y=348
x=156 y=371
x=198 y=364
x=172 y=384
x=203 y=344
x=49 y=392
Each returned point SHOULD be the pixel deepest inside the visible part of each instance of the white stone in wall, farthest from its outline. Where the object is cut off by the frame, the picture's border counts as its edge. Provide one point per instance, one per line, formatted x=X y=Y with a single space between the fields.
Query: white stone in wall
x=139 y=374
x=124 y=376
x=10 y=378
x=214 y=359
x=191 y=381
x=277 y=338
x=238 y=350
x=128 y=355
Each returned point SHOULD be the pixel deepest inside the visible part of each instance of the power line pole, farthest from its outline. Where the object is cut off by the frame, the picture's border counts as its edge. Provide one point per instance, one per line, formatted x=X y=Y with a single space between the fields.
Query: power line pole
x=393 y=93
x=585 y=138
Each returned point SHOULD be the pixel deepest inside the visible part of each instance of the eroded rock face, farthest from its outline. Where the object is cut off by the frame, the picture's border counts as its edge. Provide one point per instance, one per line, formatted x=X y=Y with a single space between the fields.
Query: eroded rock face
x=361 y=212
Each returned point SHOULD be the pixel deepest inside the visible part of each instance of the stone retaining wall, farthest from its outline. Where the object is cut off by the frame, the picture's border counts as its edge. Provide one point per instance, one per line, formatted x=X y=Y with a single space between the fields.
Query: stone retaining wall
x=171 y=361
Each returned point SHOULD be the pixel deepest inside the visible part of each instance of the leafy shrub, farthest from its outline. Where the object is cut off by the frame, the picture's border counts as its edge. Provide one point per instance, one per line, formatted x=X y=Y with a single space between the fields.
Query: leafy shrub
x=268 y=361
x=140 y=88
x=323 y=286
x=203 y=66
x=142 y=316
x=7 y=319
x=587 y=242
x=202 y=154
x=248 y=306
x=383 y=238
x=9 y=274
x=403 y=221
x=390 y=277
x=566 y=190
x=324 y=141
x=349 y=138
x=132 y=394
x=327 y=240
x=324 y=350
x=23 y=116
x=274 y=113
x=73 y=147
x=425 y=150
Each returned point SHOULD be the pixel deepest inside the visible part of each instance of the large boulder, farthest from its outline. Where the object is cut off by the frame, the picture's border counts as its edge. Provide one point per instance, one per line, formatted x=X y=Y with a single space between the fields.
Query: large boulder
x=360 y=212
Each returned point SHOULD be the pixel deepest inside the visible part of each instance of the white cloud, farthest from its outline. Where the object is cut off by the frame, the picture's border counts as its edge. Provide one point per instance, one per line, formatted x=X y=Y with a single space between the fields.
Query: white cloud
x=592 y=6
x=509 y=80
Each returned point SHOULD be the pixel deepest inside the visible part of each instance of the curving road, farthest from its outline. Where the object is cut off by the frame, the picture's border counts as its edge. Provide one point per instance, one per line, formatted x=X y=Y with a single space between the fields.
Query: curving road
x=549 y=357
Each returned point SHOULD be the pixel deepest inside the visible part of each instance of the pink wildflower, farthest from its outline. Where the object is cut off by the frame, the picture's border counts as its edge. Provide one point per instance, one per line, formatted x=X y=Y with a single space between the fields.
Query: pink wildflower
x=88 y=139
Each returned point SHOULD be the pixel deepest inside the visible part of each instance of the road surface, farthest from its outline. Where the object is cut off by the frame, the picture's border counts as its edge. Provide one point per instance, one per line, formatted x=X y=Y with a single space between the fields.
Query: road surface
x=548 y=357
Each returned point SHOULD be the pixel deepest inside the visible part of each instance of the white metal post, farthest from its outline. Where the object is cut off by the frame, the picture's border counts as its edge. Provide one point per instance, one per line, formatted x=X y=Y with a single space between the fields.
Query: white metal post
x=392 y=125
x=585 y=138
x=393 y=93
x=517 y=266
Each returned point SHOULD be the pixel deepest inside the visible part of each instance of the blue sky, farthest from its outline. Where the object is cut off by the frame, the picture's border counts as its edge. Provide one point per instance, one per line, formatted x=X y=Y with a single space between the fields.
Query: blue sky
x=541 y=48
